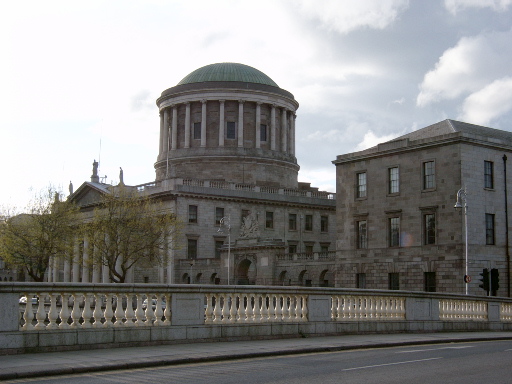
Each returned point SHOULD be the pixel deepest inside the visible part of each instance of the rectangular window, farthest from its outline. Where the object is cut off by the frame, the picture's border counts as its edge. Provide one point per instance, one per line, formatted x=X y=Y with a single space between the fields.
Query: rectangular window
x=197 y=131
x=218 y=246
x=192 y=248
x=361 y=280
x=308 y=248
x=394 y=281
x=308 y=223
x=192 y=213
x=219 y=214
x=292 y=248
x=292 y=222
x=430 y=281
x=324 y=249
x=269 y=220
x=429 y=173
x=263 y=132
x=394 y=231
x=230 y=130
x=361 y=184
x=362 y=235
x=429 y=224
x=324 y=223
x=489 y=229
x=488 y=174
x=393 y=177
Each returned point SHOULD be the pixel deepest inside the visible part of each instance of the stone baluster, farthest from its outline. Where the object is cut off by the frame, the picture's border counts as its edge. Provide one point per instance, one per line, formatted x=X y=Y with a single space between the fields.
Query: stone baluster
x=232 y=308
x=139 y=312
x=272 y=305
x=129 y=313
x=159 y=312
x=64 y=311
x=372 y=310
x=249 y=311
x=150 y=311
x=41 y=314
x=286 y=307
x=217 y=311
x=265 y=308
x=167 y=310
x=293 y=308
x=87 y=312
x=109 y=313
x=209 y=309
x=225 y=308
x=53 y=313
x=76 y=313
x=402 y=309
x=240 y=313
x=119 y=312
x=279 y=308
x=28 y=315
x=334 y=307
x=304 y=308
x=97 y=313
x=257 y=308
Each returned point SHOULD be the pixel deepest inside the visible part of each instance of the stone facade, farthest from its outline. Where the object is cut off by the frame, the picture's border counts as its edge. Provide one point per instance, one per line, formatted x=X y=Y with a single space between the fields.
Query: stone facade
x=427 y=250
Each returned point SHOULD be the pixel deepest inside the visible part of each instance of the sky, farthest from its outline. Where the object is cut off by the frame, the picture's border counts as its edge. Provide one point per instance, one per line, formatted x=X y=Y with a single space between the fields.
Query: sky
x=79 y=79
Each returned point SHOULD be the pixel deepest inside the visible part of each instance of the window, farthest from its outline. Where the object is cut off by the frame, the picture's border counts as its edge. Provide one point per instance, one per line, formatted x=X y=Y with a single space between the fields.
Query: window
x=292 y=248
x=324 y=223
x=430 y=281
x=308 y=223
x=292 y=222
x=488 y=174
x=197 y=131
x=263 y=132
x=361 y=280
x=489 y=229
x=269 y=220
x=361 y=184
x=218 y=246
x=230 y=130
x=219 y=214
x=192 y=213
x=429 y=174
x=393 y=178
x=394 y=231
x=308 y=248
x=362 y=235
x=324 y=249
x=394 y=281
x=192 y=248
x=429 y=225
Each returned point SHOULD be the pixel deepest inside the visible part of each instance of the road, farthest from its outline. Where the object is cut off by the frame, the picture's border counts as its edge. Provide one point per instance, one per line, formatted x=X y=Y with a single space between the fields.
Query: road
x=465 y=363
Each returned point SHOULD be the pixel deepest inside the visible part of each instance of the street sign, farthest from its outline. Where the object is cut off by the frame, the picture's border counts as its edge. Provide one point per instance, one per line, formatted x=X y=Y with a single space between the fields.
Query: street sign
x=467 y=279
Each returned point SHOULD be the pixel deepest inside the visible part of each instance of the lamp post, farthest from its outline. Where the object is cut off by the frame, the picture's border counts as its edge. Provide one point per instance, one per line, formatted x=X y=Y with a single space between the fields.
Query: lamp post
x=462 y=196
x=226 y=222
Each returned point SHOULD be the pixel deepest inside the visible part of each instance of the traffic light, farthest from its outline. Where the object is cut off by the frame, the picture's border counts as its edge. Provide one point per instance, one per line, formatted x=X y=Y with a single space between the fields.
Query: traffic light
x=484 y=280
x=495 y=280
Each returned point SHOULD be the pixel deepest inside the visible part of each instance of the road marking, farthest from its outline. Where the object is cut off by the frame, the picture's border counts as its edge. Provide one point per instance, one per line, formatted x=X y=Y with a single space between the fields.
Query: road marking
x=436 y=349
x=383 y=365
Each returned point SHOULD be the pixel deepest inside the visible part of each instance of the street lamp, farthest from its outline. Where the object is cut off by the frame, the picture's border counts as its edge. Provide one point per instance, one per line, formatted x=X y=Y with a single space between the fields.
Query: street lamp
x=462 y=196
x=226 y=222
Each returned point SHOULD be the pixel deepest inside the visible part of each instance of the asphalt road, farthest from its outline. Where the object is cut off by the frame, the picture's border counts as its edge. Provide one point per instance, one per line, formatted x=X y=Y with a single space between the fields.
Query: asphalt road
x=467 y=363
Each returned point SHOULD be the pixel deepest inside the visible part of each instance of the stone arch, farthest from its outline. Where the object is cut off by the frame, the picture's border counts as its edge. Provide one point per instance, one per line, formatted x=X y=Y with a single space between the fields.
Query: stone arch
x=325 y=278
x=198 y=278
x=185 y=279
x=246 y=272
x=284 y=278
x=214 y=278
x=304 y=278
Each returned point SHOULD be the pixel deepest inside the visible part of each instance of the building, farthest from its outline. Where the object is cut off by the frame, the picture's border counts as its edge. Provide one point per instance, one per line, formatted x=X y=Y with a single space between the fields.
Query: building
x=226 y=166
x=396 y=221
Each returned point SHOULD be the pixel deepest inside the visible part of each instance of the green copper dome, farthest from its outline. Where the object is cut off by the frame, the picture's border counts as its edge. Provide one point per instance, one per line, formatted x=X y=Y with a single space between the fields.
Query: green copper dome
x=228 y=72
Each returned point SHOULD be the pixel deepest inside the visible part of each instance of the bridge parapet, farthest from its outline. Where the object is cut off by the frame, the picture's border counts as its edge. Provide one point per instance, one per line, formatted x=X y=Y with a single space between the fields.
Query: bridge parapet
x=39 y=316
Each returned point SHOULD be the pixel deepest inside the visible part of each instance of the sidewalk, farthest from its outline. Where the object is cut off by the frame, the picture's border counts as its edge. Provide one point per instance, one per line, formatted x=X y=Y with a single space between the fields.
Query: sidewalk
x=58 y=363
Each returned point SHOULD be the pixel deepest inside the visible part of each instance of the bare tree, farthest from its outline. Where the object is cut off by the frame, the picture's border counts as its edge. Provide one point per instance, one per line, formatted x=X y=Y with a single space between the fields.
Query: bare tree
x=129 y=228
x=43 y=230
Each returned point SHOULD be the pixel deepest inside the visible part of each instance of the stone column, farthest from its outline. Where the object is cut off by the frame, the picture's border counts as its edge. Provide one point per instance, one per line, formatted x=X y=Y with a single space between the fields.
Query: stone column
x=161 y=132
x=96 y=269
x=187 y=125
x=170 y=266
x=76 y=262
x=85 y=262
x=292 y=133
x=55 y=269
x=273 y=128
x=165 y=143
x=67 y=270
x=174 y=134
x=258 y=125
x=203 y=123
x=221 y=123
x=241 y=123
x=49 y=273
x=284 y=131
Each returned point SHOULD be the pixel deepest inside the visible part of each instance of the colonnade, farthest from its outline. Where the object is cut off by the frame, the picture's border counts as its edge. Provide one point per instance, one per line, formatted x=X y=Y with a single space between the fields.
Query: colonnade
x=169 y=126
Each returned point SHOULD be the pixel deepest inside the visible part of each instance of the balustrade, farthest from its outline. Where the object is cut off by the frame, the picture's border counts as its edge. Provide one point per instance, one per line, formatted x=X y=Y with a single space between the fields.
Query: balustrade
x=349 y=307
x=462 y=309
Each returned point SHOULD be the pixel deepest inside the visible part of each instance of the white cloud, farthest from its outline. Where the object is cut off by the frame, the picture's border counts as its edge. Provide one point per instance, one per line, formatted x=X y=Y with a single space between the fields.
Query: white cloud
x=472 y=64
x=454 y=6
x=371 y=140
x=345 y=16
x=488 y=103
